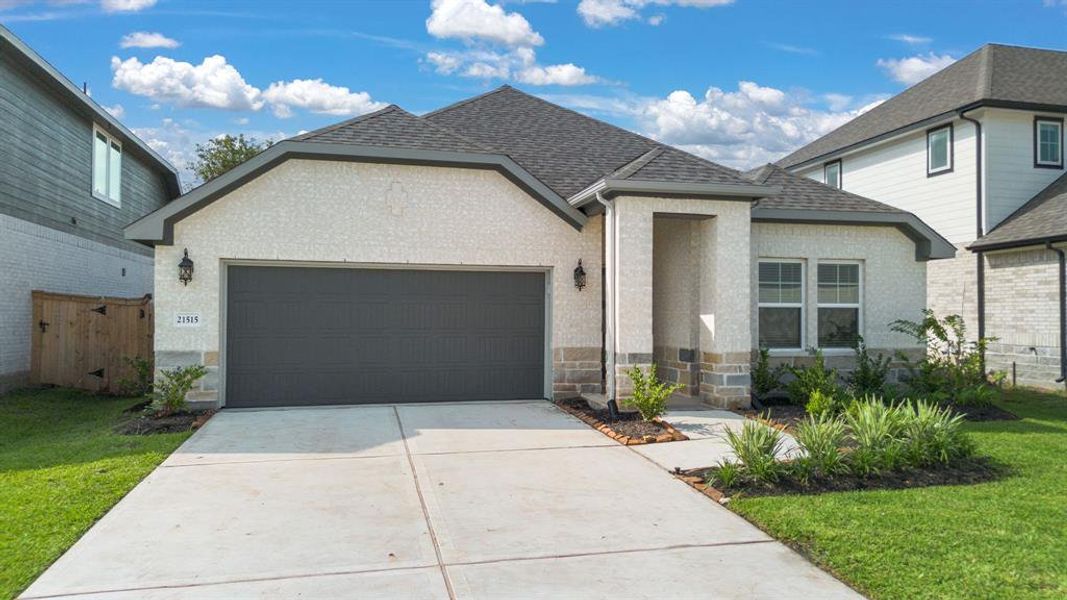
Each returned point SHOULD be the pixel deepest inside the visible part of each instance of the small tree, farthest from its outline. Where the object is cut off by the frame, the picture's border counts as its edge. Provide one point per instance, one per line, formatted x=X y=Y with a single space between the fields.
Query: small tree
x=223 y=153
x=953 y=365
x=650 y=394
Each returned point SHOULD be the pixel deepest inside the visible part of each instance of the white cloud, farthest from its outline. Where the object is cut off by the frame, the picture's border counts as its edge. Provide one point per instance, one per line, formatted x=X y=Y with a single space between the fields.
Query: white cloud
x=793 y=49
x=473 y=20
x=213 y=83
x=600 y=13
x=126 y=5
x=567 y=74
x=148 y=39
x=656 y=20
x=116 y=110
x=913 y=40
x=914 y=69
x=317 y=96
x=744 y=128
x=519 y=65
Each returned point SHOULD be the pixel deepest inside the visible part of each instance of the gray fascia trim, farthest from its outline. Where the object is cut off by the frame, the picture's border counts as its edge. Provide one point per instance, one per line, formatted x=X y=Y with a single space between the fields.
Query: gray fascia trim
x=158 y=227
x=109 y=122
x=980 y=246
x=929 y=245
x=639 y=187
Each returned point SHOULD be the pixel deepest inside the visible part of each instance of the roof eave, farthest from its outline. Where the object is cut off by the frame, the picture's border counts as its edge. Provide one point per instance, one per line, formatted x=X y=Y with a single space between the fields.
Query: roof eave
x=609 y=188
x=980 y=246
x=158 y=227
x=929 y=245
x=110 y=123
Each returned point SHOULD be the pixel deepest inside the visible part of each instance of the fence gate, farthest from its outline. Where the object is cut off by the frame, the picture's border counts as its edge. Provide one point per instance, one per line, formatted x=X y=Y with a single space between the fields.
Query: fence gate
x=84 y=341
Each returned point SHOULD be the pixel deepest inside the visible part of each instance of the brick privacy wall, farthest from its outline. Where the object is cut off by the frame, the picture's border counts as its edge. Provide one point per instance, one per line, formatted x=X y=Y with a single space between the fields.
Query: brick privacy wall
x=361 y=213
x=952 y=288
x=1022 y=312
x=35 y=257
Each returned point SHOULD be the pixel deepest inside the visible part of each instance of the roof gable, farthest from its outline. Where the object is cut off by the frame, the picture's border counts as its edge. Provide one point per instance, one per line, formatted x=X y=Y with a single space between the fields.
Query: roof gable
x=992 y=74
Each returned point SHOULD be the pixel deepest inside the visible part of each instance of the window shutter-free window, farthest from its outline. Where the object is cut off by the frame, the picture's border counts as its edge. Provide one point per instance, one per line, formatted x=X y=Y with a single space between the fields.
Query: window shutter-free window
x=832 y=174
x=839 y=305
x=100 y=172
x=781 y=301
x=939 y=150
x=107 y=168
x=1049 y=138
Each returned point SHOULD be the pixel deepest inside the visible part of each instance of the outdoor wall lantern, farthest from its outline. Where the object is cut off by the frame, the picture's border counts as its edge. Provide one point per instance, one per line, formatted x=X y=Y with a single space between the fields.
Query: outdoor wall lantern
x=185 y=269
x=579 y=276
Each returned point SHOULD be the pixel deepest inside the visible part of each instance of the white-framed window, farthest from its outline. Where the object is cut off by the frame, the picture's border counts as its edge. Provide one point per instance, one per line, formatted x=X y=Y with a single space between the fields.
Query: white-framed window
x=939 y=150
x=781 y=304
x=1048 y=142
x=840 y=301
x=107 y=167
x=831 y=174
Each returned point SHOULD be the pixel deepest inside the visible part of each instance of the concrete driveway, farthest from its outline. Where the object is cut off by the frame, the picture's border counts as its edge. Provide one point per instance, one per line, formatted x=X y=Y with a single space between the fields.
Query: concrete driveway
x=470 y=500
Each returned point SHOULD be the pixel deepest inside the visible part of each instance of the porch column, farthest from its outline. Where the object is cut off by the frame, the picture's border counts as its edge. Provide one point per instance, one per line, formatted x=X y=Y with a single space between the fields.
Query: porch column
x=633 y=307
x=725 y=311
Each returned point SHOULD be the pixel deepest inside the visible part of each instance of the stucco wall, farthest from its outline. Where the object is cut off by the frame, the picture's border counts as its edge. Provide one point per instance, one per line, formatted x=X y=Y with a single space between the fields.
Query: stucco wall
x=676 y=265
x=894 y=283
x=326 y=211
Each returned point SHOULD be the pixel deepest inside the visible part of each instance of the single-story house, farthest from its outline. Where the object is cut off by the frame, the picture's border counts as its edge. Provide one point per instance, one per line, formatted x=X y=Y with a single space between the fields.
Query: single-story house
x=505 y=247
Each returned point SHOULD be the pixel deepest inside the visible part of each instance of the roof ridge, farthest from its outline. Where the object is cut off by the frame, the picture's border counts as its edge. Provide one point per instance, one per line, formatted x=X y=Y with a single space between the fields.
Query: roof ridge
x=356 y=119
x=465 y=101
x=635 y=165
x=985 y=78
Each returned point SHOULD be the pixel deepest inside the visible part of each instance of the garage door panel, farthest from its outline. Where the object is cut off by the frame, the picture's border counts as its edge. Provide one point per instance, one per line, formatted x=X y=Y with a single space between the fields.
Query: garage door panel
x=311 y=336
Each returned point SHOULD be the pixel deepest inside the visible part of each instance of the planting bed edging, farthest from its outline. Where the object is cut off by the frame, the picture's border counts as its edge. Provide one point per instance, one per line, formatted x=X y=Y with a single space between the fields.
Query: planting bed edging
x=670 y=434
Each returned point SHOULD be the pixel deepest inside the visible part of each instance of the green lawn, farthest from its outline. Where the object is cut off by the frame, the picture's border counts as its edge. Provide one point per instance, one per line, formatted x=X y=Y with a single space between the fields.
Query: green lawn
x=1005 y=539
x=61 y=469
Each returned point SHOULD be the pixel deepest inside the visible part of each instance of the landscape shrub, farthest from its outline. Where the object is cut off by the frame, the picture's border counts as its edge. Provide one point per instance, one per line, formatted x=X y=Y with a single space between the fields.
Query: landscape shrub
x=809 y=379
x=821 y=438
x=727 y=474
x=766 y=379
x=933 y=434
x=824 y=404
x=140 y=382
x=650 y=395
x=869 y=376
x=757 y=447
x=875 y=428
x=171 y=388
x=951 y=370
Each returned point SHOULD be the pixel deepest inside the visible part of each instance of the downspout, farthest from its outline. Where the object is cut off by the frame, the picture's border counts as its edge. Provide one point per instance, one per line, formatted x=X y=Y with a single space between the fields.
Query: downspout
x=979 y=226
x=1063 y=310
x=610 y=243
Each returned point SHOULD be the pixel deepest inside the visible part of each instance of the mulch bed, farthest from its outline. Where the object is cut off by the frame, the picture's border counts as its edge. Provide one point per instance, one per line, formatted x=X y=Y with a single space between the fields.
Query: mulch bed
x=984 y=413
x=174 y=423
x=965 y=472
x=628 y=428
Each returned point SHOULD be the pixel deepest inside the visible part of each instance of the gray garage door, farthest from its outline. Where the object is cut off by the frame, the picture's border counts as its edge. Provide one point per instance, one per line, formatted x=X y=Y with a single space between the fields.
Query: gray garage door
x=309 y=336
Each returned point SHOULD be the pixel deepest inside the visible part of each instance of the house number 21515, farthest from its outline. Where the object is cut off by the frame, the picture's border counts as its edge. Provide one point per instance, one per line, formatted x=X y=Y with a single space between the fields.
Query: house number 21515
x=187 y=320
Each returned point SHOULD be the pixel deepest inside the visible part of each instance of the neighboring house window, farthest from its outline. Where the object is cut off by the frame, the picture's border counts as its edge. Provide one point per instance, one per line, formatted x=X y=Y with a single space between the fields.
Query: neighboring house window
x=839 y=305
x=107 y=167
x=831 y=174
x=939 y=151
x=1048 y=142
x=781 y=304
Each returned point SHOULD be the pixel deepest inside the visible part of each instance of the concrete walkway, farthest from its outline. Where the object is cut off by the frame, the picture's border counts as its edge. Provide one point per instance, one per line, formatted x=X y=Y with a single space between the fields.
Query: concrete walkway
x=476 y=500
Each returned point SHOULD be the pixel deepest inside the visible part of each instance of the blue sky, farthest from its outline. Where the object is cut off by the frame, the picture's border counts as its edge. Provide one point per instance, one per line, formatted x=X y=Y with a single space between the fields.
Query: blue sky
x=741 y=82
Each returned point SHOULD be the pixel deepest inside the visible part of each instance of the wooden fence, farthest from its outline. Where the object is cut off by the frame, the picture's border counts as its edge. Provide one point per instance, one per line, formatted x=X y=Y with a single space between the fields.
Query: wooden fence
x=84 y=341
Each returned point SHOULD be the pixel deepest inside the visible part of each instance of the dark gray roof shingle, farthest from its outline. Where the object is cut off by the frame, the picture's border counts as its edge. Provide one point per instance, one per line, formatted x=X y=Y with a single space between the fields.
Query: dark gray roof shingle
x=994 y=72
x=565 y=149
x=1043 y=217
x=393 y=127
x=801 y=193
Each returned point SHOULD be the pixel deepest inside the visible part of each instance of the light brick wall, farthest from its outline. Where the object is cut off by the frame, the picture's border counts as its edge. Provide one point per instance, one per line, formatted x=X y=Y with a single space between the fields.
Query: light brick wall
x=323 y=211
x=1022 y=312
x=952 y=288
x=34 y=257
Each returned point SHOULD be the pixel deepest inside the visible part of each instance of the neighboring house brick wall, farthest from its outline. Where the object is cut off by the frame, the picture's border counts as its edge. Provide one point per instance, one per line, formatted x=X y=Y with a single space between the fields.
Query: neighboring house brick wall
x=1026 y=325
x=304 y=210
x=894 y=283
x=34 y=257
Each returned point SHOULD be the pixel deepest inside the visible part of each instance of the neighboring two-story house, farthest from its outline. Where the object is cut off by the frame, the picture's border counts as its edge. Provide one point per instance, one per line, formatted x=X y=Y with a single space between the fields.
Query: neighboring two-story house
x=976 y=151
x=71 y=177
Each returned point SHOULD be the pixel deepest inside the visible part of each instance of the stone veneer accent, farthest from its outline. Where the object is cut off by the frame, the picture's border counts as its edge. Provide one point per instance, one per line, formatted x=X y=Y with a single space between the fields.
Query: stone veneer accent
x=726 y=379
x=576 y=371
x=679 y=365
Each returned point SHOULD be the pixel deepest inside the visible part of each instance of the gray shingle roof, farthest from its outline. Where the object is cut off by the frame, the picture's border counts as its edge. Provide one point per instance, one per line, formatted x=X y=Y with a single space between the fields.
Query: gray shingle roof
x=392 y=127
x=801 y=193
x=565 y=149
x=993 y=73
x=1043 y=217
